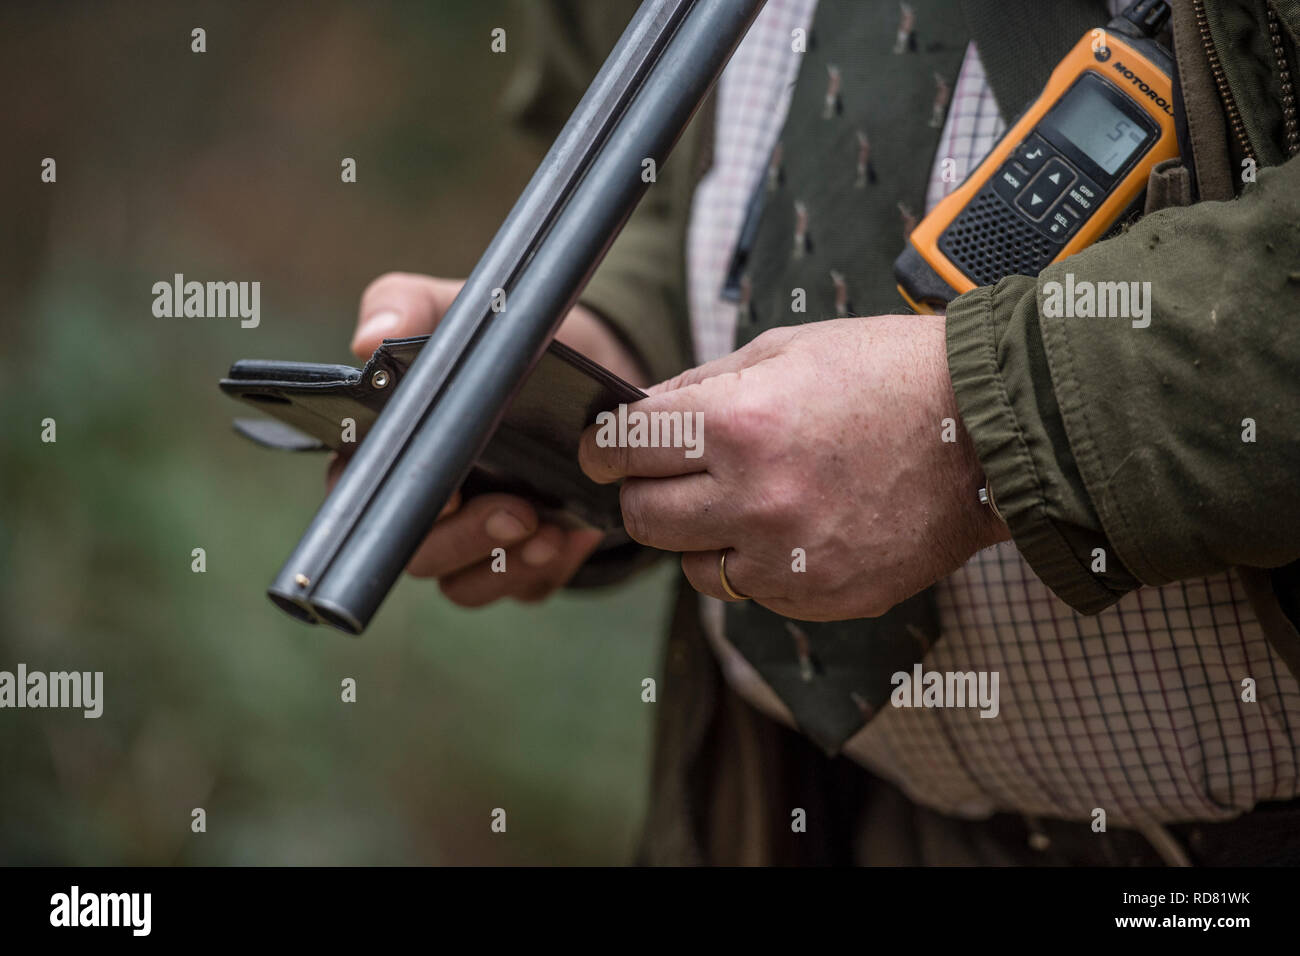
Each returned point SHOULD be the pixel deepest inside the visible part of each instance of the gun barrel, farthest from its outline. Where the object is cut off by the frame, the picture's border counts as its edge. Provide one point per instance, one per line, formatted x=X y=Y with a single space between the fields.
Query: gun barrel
x=447 y=406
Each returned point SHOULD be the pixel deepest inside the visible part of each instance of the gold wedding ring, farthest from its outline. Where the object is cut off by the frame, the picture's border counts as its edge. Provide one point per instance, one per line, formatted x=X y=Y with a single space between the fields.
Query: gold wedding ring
x=726 y=585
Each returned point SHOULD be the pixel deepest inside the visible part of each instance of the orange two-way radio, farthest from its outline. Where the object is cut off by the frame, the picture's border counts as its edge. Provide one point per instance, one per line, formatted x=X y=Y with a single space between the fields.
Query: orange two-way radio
x=1068 y=170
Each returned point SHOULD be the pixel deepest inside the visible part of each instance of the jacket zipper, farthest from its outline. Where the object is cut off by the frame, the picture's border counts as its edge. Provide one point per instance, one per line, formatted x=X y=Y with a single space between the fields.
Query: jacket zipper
x=1284 y=76
x=1225 y=94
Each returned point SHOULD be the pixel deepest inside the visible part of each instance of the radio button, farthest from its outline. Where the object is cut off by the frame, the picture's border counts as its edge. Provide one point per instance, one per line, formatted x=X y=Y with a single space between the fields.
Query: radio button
x=1009 y=181
x=1059 y=225
x=1083 y=199
x=1032 y=153
x=1045 y=189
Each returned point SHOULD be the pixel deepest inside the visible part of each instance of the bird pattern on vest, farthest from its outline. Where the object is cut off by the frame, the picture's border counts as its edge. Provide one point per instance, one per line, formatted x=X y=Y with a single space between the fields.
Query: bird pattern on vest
x=843 y=189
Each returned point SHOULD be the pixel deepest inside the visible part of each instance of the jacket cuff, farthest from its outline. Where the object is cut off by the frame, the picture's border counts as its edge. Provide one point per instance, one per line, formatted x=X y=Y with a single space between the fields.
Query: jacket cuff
x=995 y=403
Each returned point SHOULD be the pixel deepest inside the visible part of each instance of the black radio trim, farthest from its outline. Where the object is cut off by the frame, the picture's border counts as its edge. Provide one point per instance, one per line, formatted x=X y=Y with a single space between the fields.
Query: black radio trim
x=1121 y=101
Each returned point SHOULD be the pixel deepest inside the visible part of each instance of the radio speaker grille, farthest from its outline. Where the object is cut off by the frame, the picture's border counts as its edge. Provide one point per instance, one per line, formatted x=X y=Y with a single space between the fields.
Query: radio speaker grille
x=988 y=241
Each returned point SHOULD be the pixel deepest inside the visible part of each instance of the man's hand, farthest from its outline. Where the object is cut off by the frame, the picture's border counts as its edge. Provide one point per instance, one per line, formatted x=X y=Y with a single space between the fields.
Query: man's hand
x=826 y=437
x=539 y=557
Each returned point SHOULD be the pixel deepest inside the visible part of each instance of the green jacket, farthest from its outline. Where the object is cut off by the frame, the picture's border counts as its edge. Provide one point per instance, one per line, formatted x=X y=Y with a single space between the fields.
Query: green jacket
x=1092 y=434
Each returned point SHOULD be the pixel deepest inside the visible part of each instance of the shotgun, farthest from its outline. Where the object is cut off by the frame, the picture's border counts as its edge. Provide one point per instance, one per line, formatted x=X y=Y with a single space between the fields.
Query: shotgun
x=447 y=406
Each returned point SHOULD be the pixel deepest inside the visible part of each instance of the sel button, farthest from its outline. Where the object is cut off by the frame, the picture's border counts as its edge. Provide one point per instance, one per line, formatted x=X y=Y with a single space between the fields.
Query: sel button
x=1059 y=226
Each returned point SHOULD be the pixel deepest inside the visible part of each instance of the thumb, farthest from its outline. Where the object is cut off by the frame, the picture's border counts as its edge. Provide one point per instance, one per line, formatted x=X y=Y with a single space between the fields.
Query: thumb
x=764 y=347
x=398 y=305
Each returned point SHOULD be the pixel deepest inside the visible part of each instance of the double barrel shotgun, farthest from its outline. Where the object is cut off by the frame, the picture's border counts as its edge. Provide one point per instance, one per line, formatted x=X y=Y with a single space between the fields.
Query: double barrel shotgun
x=448 y=404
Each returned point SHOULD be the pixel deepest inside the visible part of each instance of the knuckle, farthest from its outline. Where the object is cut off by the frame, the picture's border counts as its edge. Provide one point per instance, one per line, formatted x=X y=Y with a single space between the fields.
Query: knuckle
x=774 y=337
x=750 y=419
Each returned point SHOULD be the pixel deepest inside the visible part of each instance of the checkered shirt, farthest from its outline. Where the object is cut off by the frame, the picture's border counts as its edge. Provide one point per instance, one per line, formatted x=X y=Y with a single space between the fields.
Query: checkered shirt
x=1137 y=710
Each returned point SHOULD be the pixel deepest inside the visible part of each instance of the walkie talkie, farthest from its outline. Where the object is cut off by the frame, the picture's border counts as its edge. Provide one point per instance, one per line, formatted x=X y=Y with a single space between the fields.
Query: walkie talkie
x=1074 y=164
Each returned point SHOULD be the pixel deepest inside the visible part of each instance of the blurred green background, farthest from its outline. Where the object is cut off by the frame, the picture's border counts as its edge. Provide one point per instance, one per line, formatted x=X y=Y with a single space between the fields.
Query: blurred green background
x=225 y=166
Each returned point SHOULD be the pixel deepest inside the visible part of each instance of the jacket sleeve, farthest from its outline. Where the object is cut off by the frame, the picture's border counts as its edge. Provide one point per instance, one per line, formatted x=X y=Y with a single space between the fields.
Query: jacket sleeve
x=639 y=287
x=1173 y=446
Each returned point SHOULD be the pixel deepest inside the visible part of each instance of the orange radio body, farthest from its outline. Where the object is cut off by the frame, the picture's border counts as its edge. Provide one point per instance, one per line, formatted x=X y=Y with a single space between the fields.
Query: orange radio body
x=1068 y=170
